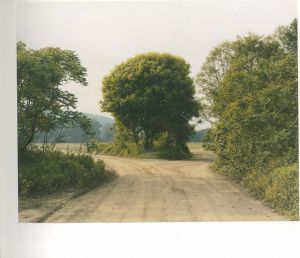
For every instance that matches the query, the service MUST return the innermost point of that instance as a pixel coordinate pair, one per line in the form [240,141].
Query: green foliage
[254,102]
[46,172]
[143,94]
[96,146]
[92,146]
[278,187]
[283,192]
[125,144]
[171,153]
[212,73]
[43,105]
[287,36]
[208,140]
[126,149]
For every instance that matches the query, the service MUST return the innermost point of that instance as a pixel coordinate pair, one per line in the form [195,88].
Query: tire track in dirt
[162,190]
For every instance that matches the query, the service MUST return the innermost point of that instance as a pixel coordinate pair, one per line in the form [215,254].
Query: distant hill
[101,119]
[198,135]
[107,129]
[102,125]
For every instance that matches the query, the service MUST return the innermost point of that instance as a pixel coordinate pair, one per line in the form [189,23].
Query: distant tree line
[75,134]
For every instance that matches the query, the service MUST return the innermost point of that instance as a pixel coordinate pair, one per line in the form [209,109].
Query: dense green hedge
[46,172]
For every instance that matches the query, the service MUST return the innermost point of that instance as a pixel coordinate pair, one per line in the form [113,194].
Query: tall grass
[278,187]
[130,149]
[46,172]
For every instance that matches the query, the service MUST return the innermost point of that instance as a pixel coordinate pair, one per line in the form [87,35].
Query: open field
[72,147]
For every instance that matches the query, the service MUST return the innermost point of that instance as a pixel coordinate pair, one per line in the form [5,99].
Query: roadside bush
[46,172]
[283,192]
[160,151]
[125,149]
[173,153]
[208,140]
[92,146]
[167,150]
[277,186]
[130,149]
[256,182]
[208,146]
[97,147]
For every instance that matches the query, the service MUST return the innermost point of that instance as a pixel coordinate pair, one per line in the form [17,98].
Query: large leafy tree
[150,94]
[255,102]
[212,73]
[43,103]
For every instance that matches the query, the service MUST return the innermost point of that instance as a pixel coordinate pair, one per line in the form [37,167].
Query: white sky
[106,33]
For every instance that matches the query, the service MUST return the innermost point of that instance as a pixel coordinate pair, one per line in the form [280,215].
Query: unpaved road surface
[162,190]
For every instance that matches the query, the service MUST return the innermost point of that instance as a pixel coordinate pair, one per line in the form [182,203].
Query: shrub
[160,151]
[126,149]
[277,186]
[173,154]
[283,191]
[46,172]
[92,146]
[256,182]
[97,147]
[208,139]
[209,146]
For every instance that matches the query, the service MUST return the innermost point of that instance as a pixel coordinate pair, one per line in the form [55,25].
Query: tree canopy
[43,104]
[151,94]
[254,100]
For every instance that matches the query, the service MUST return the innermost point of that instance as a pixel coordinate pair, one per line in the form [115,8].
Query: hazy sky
[106,33]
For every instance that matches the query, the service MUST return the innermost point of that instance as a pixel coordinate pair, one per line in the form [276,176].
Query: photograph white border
[142,240]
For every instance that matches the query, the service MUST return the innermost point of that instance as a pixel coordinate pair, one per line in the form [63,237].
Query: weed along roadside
[49,179]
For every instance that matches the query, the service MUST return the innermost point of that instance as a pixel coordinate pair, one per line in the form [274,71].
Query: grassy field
[71,147]
[194,145]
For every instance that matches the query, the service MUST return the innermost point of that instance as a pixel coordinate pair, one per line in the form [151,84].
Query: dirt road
[161,190]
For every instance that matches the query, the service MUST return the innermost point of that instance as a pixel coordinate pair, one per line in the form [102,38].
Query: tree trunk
[148,141]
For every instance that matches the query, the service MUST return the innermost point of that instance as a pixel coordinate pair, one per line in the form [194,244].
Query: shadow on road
[200,154]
